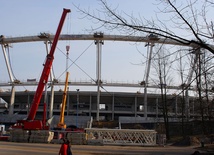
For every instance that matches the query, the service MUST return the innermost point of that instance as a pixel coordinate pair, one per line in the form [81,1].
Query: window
[102,106]
[16,106]
[141,108]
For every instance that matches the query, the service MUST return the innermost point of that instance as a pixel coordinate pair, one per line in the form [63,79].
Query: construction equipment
[30,123]
[61,123]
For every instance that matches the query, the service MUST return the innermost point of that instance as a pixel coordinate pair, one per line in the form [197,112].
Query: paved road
[12,148]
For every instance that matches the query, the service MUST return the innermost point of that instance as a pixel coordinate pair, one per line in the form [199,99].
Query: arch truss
[98,38]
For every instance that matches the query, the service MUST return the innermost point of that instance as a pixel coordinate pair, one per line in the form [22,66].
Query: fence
[122,136]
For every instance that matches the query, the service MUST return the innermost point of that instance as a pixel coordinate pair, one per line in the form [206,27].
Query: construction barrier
[98,136]
[41,136]
[77,138]
[31,136]
[19,135]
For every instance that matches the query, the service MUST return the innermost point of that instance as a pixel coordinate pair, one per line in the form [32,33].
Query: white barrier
[121,136]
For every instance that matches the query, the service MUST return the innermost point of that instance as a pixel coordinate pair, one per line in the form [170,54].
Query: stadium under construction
[120,106]
[47,114]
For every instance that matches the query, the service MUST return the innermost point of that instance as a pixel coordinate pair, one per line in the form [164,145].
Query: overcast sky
[120,60]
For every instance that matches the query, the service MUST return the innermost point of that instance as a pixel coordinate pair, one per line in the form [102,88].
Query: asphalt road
[13,148]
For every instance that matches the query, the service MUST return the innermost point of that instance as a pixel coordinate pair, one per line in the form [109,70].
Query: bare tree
[163,67]
[191,18]
[181,71]
[185,16]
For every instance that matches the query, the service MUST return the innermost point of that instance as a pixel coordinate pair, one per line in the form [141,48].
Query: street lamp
[77,107]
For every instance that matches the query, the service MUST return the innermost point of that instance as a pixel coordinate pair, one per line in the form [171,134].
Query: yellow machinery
[61,123]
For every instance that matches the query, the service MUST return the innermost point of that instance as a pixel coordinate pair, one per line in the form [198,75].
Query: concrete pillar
[193,64]
[135,106]
[48,43]
[99,42]
[156,108]
[12,80]
[12,100]
[90,105]
[51,101]
[150,45]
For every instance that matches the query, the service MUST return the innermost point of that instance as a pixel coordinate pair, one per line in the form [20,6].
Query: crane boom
[30,123]
[46,70]
[61,123]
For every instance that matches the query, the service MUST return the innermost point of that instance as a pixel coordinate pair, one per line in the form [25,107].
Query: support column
[90,105]
[12,80]
[12,101]
[112,108]
[135,106]
[193,107]
[77,110]
[147,77]
[156,109]
[51,101]
[193,64]
[99,42]
[51,84]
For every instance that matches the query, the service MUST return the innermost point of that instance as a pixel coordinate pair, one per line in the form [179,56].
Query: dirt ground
[11,148]
[202,145]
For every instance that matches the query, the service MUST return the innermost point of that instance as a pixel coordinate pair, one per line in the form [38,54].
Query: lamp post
[77,107]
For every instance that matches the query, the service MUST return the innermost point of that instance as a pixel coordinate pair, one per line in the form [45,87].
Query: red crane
[30,123]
